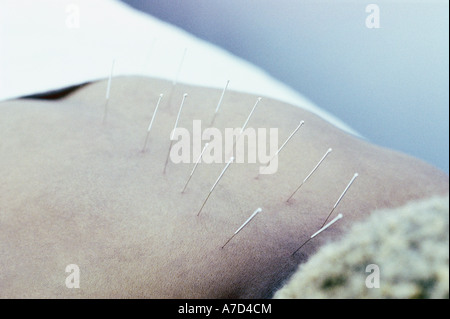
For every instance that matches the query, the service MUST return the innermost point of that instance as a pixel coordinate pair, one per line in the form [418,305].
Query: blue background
[390,84]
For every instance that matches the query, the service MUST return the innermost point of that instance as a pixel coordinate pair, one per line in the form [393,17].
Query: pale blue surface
[390,84]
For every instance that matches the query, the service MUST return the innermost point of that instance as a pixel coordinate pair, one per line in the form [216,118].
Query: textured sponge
[409,247]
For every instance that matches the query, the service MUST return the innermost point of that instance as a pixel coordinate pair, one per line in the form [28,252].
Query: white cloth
[52,44]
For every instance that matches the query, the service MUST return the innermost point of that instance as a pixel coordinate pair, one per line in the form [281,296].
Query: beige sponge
[397,253]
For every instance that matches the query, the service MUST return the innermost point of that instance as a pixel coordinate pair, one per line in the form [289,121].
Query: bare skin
[76,191]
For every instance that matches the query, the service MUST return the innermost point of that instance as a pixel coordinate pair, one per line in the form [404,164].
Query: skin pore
[78,191]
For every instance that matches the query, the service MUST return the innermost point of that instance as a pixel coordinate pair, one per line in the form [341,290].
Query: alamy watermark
[373,280]
[73,279]
[73,16]
[373,19]
[246,146]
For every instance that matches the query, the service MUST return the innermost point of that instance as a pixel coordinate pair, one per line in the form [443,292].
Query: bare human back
[78,191]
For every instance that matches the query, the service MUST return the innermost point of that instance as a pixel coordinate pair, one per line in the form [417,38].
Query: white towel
[51,44]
